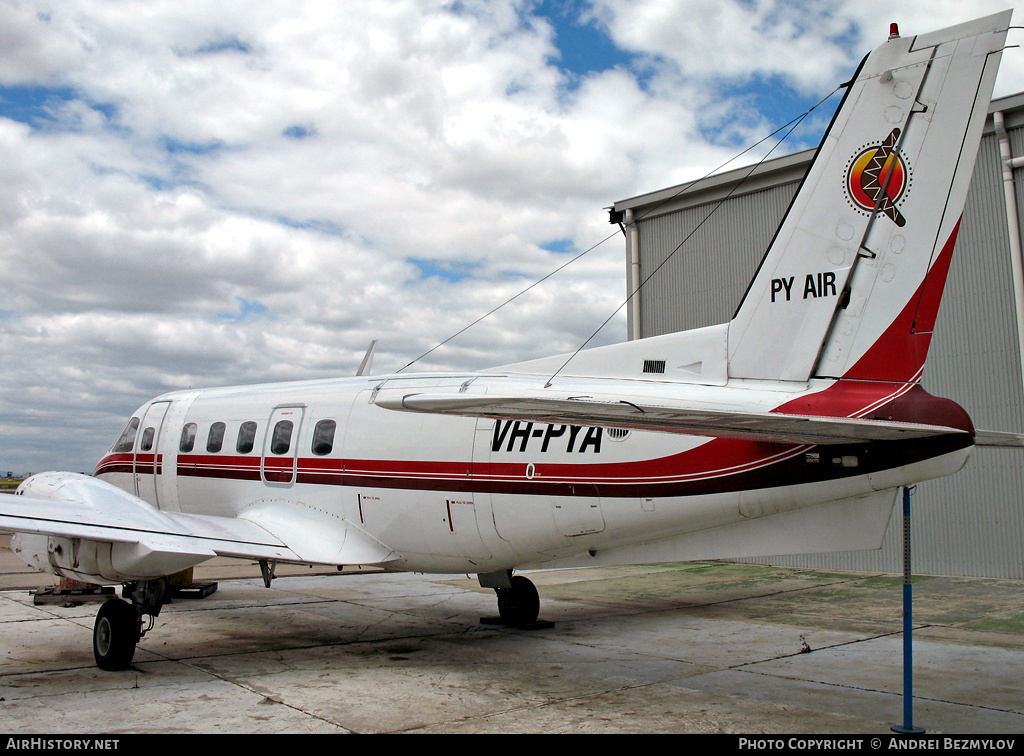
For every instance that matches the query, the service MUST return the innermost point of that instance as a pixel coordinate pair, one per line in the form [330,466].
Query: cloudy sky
[197,194]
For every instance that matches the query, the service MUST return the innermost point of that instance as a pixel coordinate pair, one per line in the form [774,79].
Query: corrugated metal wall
[970,524]
[715,249]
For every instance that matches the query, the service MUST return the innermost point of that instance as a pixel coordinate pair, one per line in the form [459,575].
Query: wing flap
[666,417]
[320,537]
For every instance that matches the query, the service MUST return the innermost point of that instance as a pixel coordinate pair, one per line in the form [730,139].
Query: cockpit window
[188,437]
[246,437]
[126,440]
[323,437]
[147,439]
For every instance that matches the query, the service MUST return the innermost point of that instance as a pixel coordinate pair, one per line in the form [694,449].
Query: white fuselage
[454,494]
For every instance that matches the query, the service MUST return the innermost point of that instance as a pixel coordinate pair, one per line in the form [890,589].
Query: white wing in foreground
[103,531]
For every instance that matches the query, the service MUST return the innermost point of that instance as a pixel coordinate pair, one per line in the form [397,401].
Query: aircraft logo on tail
[878,178]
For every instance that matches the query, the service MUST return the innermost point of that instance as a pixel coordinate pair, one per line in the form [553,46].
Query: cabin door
[148,457]
[281,445]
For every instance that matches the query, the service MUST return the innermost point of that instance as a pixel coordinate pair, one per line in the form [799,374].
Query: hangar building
[710,237]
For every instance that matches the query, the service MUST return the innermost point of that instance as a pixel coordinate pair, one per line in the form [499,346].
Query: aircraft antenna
[683,188]
[509,300]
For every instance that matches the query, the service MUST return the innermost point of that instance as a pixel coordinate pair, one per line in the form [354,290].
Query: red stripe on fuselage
[717,466]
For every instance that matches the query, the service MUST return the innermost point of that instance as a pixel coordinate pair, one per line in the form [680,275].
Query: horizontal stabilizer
[671,418]
[999,438]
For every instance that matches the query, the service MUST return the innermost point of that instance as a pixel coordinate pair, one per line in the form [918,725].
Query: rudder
[850,285]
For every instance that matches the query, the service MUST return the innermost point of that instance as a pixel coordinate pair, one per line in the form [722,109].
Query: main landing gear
[119,622]
[117,630]
[118,627]
[519,604]
[518,600]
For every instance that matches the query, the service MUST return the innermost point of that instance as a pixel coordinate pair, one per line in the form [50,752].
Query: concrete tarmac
[691,648]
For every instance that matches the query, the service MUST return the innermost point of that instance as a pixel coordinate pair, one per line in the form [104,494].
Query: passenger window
[323,437]
[126,440]
[246,437]
[188,437]
[282,438]
[147,439]
[215,440]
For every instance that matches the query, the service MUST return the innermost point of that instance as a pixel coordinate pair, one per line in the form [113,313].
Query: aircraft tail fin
[851,284]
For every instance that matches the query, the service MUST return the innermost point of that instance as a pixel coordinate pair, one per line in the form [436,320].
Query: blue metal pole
[908,627]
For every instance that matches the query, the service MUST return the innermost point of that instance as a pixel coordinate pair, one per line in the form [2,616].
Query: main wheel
[520,604]
[115,635]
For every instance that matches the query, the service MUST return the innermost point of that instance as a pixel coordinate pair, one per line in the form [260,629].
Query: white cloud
[808,45]
[728,41]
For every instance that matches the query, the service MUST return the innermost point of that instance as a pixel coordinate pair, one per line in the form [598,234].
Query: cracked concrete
[711,647]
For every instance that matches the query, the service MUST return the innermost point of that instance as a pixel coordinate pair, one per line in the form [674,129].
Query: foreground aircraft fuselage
[433,493]
[787,430]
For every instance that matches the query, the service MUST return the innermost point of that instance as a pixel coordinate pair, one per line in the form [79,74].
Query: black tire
[520,604]
[115,635]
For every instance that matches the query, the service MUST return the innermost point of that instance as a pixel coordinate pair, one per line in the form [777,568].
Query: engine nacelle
[76,558]
[134,540]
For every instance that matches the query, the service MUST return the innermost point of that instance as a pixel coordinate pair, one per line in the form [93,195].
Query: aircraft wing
[146,541]
[171,532]
[667,417]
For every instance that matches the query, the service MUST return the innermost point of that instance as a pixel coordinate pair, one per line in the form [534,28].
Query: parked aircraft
[788,429]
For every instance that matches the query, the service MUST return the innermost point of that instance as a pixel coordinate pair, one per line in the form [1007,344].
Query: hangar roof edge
[775,171]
